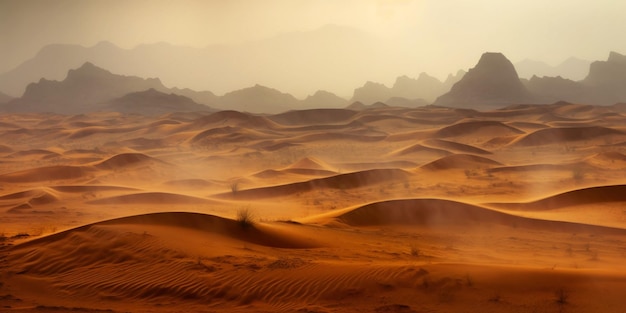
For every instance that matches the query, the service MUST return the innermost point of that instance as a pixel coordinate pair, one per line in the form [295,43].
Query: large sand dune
[380,210]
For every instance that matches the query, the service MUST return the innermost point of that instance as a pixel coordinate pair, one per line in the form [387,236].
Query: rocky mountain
[553,89]
[204,97]
[371,92]
[493,82]
[604,85]
[606,82]
[153,102]
[424,89]
[83,90]
[573,69]
[258,99]
[4,98]
[324,99]
[330,58]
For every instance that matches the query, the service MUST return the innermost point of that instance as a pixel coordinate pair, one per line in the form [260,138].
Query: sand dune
[41,153]
[422,150]
[229,118]
[455,146]
[341,181]
[438,213]
[563,135]
[368,211]
[477,128]
[310,163]
[189,183]
[48,173]
[125,160]
[314,117]
[460,161]
[609,159]
[151,198]
[5,149]
[600,194]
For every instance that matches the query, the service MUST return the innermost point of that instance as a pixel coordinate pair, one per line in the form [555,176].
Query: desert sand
[431,209]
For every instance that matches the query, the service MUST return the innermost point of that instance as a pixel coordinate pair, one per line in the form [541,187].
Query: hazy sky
[441,35]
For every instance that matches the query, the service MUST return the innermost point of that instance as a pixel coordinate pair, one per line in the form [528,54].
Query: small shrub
[415,251]
[245,217]
[561,296]
[234,187]
[469,281]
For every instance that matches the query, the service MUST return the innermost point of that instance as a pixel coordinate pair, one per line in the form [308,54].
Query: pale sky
[442,36]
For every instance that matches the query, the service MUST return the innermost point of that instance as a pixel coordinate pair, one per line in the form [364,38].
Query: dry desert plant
[561,296]
[245,218]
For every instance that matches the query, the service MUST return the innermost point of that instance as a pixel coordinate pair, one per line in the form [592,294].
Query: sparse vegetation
[469,281]
[245,217]
[415,251]
[561,296]
[234,187]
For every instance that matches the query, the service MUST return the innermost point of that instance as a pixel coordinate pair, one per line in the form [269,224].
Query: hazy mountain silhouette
[491,83]
[153,102]
[83,90]
[203,97]
[573,68]
[258,99]
[4,98]
[553,89]
[371,92]
[406,90]
[324,99]
[604,85]
[606,82]
[329,58]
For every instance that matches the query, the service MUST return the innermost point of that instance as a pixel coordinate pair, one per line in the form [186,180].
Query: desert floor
[431,209]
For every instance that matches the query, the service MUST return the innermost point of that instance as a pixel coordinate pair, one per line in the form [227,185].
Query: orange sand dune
[34,153]
[524,211]
[310,163]
[5,149]
[441,213]
[341,181]
[609,159]
[527,125]
[455,146]
[331,136]
[48,173]
[599,194]
[477,127]
[421,150]
[189,183]
[229,118]
[124,160]
[460,161]
[151,198]
[563,135]
[314,117]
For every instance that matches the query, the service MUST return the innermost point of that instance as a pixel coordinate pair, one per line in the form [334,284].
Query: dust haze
[312,156]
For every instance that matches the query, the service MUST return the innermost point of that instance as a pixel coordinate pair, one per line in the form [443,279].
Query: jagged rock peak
[615,57]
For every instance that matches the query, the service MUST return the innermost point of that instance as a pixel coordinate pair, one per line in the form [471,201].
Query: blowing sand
[384,210]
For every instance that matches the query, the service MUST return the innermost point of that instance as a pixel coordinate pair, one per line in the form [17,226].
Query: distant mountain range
[572,68]
[329,58]
[493,82]
[90,88]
